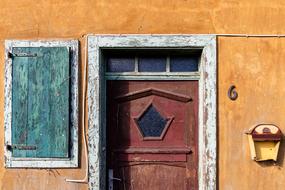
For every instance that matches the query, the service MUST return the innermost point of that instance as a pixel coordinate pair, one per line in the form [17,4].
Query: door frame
[207,76]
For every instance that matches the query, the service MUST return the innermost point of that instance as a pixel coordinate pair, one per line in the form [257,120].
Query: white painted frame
[207,99]
[72,161]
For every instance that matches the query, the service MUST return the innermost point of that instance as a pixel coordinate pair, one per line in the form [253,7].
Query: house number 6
[232,94]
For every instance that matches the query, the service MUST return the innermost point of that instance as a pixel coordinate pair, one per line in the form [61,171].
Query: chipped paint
[42,162]
[207,118]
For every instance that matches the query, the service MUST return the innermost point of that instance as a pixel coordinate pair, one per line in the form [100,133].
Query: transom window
[151,62]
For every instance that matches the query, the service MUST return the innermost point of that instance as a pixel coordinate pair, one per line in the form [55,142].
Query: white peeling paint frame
[207,99]
[72,161]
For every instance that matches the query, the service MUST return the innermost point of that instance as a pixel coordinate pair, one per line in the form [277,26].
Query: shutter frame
[29,162]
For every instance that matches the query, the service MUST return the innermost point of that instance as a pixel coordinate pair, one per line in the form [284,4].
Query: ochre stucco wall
[254,65]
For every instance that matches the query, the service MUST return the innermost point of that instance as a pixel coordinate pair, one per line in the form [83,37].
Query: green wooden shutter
[40,102]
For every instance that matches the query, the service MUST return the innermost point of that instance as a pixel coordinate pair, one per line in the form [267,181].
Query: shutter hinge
[11,55]
[21,147]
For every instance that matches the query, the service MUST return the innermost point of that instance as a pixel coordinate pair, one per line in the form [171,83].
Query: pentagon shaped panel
[152,124]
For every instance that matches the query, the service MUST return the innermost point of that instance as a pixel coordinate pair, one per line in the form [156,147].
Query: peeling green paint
[40,102]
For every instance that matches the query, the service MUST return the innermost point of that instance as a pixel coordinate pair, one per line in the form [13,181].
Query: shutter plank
[38,103]
[59,97]
[19,103]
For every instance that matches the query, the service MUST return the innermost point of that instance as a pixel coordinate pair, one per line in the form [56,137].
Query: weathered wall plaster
[254,65]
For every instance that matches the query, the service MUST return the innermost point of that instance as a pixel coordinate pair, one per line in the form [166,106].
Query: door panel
[152,134]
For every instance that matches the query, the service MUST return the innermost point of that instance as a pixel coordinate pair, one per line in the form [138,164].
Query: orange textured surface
[254,65]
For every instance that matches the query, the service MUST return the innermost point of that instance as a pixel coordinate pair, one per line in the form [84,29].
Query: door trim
[207,145]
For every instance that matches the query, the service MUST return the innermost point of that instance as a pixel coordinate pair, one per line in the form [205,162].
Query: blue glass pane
[121,65]
[151,123]
[152,64]
[183,64]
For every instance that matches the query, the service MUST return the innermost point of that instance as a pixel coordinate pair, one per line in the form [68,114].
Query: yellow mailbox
[264,141]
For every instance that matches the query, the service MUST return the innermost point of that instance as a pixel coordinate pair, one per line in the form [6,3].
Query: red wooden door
[152,135]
